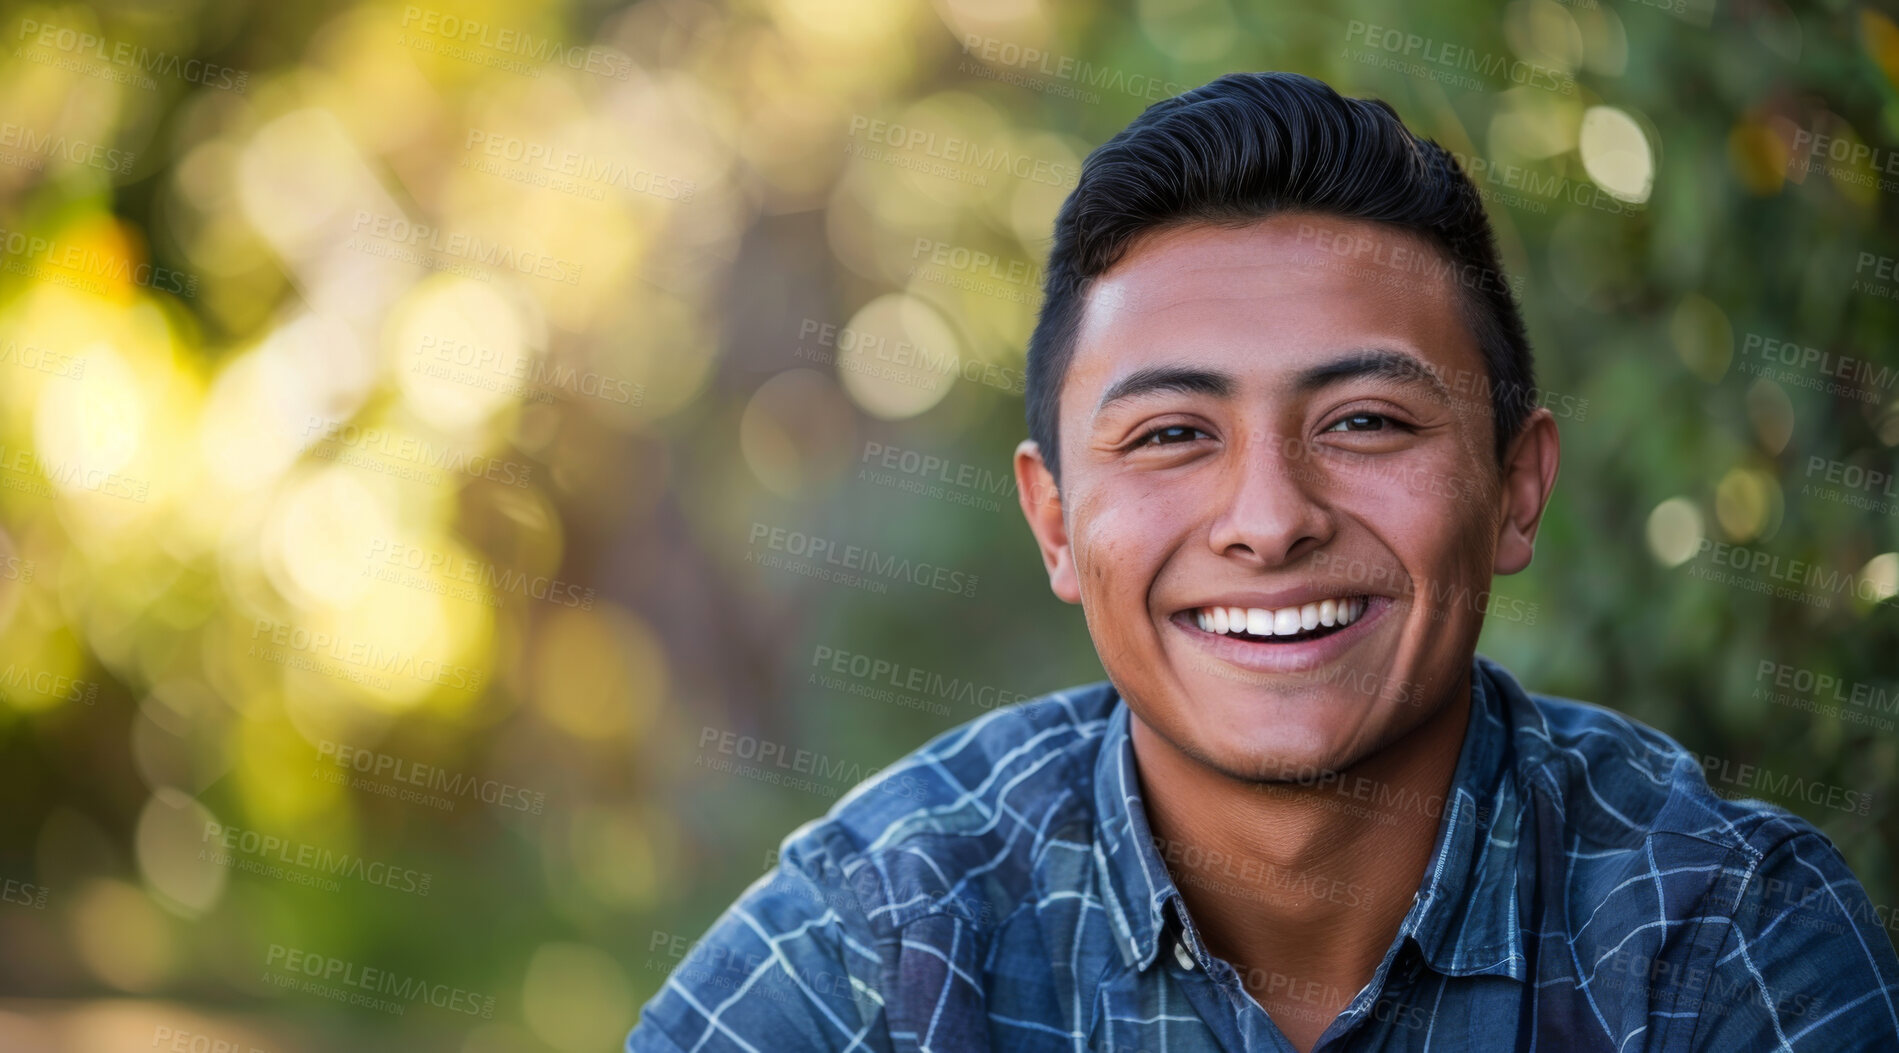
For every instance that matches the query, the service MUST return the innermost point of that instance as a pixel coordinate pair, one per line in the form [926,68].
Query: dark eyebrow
[1373,362]
[1190,379]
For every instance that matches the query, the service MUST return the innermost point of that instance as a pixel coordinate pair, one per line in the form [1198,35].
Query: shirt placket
[1214,990]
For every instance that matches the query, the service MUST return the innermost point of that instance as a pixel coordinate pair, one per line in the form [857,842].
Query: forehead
[1270,297]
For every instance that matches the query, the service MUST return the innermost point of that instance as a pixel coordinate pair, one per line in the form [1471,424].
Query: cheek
[1118,540]
[1449,544]
[1427,505]
[1439,528]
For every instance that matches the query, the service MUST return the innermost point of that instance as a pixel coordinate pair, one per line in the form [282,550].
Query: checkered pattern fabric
[999,889]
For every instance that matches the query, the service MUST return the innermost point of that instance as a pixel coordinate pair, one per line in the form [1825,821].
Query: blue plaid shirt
[999,889]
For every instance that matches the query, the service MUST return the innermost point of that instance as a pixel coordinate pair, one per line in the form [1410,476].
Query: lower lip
[1303,656]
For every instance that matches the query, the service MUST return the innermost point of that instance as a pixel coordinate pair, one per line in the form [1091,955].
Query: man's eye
[1171,434]
[1362,422]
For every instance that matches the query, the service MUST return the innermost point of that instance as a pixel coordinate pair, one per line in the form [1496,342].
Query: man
[1301,814]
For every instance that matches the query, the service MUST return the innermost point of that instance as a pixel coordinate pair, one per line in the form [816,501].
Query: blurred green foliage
[410,413]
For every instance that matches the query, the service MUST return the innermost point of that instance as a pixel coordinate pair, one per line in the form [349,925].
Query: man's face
[1280,505]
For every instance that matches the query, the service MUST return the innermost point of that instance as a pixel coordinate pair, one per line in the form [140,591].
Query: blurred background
[473,477]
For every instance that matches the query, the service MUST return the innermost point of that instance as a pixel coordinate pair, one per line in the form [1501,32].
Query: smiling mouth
[1285,625]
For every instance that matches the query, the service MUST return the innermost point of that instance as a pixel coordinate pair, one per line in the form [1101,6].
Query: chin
[1288,764]
[1280,740]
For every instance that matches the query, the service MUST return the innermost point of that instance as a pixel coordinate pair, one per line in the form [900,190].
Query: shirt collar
[1137,881]
[1464,919]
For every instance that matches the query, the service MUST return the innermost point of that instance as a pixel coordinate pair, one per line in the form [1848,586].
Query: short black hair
[1251,145]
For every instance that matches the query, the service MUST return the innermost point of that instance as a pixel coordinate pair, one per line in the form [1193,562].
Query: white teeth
[1284,621]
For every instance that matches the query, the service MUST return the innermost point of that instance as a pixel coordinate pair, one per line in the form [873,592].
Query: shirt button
[1181,956]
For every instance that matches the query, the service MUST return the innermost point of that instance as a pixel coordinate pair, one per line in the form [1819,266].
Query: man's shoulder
[1770,923]
[987,797]
[1624,783]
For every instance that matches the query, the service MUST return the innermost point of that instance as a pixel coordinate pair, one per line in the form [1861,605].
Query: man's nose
[1271,503]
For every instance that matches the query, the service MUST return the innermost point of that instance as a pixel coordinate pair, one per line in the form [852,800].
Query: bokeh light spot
[1616,153]
[174,855]
[576,998]
[897,357]
[1674,531]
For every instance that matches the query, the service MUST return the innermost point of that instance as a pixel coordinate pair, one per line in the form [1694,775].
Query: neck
[1302,887]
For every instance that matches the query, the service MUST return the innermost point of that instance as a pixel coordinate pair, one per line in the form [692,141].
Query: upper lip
[1294,596]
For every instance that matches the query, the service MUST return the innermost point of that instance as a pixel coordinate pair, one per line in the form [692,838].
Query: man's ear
[1529,477]
[1042,507]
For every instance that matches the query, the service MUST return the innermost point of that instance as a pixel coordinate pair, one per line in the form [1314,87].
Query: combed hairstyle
[1251,145]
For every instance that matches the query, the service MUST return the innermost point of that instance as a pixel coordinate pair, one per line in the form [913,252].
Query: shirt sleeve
[1806,964]
[788,966]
